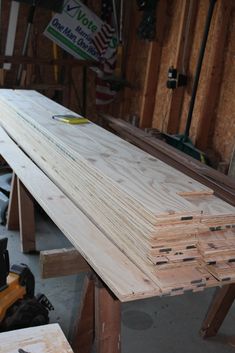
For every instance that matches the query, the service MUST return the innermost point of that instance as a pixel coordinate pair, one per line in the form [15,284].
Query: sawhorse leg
[21,215]
[99,319]
[219,307]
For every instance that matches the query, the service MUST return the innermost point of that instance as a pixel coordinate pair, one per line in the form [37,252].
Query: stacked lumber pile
[223,185]
[169,225]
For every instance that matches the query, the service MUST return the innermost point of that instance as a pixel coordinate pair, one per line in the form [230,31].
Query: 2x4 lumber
[62,262]
[107,320]
[13,222]
[152,69]
[223,186]
[117,271]
[26,218]
[185,40]
[84,330]
[215,64]
[220,305]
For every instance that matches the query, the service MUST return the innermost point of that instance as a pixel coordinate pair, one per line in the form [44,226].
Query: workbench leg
[107,320]
[26,218]
[13,208]
[219,307]
[83,336]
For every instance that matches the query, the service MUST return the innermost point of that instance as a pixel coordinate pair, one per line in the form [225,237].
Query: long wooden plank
[92,185]
[116,270]
[93,143]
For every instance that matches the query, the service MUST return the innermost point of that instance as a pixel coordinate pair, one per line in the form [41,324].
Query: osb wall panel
[163,94]
[169,51]
[222,137]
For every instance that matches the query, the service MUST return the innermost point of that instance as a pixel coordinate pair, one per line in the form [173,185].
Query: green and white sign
[74,30]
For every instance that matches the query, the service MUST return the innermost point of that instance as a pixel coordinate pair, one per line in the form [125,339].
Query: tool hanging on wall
[183,142]
[147,27]
[11,31]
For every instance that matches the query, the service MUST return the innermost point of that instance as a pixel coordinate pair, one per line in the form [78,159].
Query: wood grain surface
[139,204]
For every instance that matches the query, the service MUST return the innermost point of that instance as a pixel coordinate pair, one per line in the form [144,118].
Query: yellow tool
[70,119]
[19,308]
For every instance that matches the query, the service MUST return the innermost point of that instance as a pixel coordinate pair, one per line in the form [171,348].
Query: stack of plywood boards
[172,227]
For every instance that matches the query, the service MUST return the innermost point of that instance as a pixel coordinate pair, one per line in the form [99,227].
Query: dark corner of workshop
[117,176]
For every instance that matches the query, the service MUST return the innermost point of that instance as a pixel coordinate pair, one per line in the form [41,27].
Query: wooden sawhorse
[99,317]
[219,308]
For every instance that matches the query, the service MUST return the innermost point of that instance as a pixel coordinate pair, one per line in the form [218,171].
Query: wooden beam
[83,336]
[13,208]
[215,64]
[107,320]
[220,305]
[152,69]
[62,262]
[26,218]
[185,40]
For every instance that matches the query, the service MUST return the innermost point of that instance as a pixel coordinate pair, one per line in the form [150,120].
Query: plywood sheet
[47,338]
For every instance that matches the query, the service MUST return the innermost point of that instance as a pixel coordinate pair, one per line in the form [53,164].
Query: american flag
[102,38]
[104,93]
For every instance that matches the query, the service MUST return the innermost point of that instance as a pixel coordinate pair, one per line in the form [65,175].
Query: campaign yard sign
[75,29]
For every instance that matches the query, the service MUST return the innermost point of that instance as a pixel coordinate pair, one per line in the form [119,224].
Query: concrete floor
[158,325]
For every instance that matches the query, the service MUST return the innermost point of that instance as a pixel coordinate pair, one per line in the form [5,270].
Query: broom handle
[198,69]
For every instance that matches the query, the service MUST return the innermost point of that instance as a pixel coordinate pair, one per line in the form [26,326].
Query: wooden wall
[213,124]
